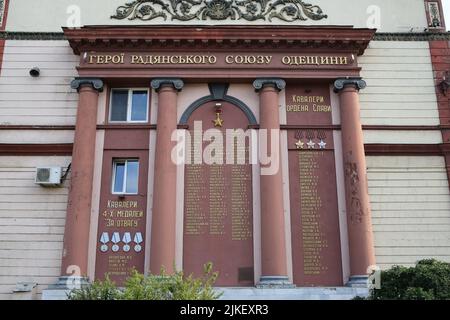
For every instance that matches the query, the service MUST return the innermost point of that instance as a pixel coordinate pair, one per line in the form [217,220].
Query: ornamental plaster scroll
[250,10]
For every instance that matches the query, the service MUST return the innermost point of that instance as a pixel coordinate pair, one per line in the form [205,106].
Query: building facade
[293,145]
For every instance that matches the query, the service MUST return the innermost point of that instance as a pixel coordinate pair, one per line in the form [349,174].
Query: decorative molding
[380,36]
[4,8]
[218,90]
[65,149]
[156,84]
[34,127]
[97,84]
[156,37]
[412,36]
[435,15]
[19,149]
[369,127]
[309,127]
[128,126]
[254,126]
[187,10]
[2,11]
[340,84]
[403,128]
[9,35]
[403,149]
[214,97]
[279,84]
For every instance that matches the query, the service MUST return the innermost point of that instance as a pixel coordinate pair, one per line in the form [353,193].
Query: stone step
[334,293]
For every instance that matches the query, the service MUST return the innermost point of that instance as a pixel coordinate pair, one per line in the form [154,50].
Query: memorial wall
[122,217]
[218,214]
[316,247]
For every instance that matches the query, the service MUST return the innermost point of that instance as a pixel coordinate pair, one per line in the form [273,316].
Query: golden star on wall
[300,144]
[218,122]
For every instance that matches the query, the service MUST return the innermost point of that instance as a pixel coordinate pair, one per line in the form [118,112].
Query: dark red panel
[308,104]
[218,215]
[124,216]
[316,248]
[121,215]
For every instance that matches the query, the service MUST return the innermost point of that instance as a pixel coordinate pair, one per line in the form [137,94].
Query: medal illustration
[138,240]
[310,136]
[218,122]
[104,239]
[115,239]
[126,239]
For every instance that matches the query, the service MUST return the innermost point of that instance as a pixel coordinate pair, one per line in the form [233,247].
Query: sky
[446,5]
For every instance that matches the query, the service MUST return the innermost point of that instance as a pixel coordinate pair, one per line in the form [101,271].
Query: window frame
[129,105]
[124,184]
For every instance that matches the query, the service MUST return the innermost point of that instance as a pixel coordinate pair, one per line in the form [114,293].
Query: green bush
[153,287]
[428,280]
[98,290]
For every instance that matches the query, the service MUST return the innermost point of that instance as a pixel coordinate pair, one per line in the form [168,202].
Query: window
[125,176]
[129,105]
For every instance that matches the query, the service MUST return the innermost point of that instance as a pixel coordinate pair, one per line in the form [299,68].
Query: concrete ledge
[358,281]
[335,293]
[253,293]
[275,282]
[55,294]
[61,289]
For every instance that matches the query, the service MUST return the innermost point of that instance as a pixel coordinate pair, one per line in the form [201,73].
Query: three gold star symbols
[218,122]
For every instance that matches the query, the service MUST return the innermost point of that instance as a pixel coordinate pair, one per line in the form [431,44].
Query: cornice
[379,36]
[211,37]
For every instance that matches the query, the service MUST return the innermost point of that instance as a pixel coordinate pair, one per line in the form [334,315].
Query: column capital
[177,83]
[278,83]
[340,84]
[96,83]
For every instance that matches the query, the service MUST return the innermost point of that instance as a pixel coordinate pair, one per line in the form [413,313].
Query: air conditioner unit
[48,176]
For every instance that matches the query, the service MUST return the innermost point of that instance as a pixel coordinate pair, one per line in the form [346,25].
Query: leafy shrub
[98,290]
[428,280]
[153,287]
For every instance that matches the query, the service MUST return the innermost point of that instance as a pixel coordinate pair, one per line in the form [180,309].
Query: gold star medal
[218,122]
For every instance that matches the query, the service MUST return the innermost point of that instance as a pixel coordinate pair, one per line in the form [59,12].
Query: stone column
[76,234]
[162,249]
[359,223]
[273,241]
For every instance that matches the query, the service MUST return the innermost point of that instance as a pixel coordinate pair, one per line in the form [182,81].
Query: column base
[276,282]
[358,282]
[62,288]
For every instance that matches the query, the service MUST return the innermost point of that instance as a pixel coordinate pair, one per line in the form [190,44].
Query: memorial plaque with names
[316,247]
[218,215]
[121,222]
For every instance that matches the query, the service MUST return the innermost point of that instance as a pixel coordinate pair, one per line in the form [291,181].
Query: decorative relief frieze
[187,10]
[2,11]
[434,15]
